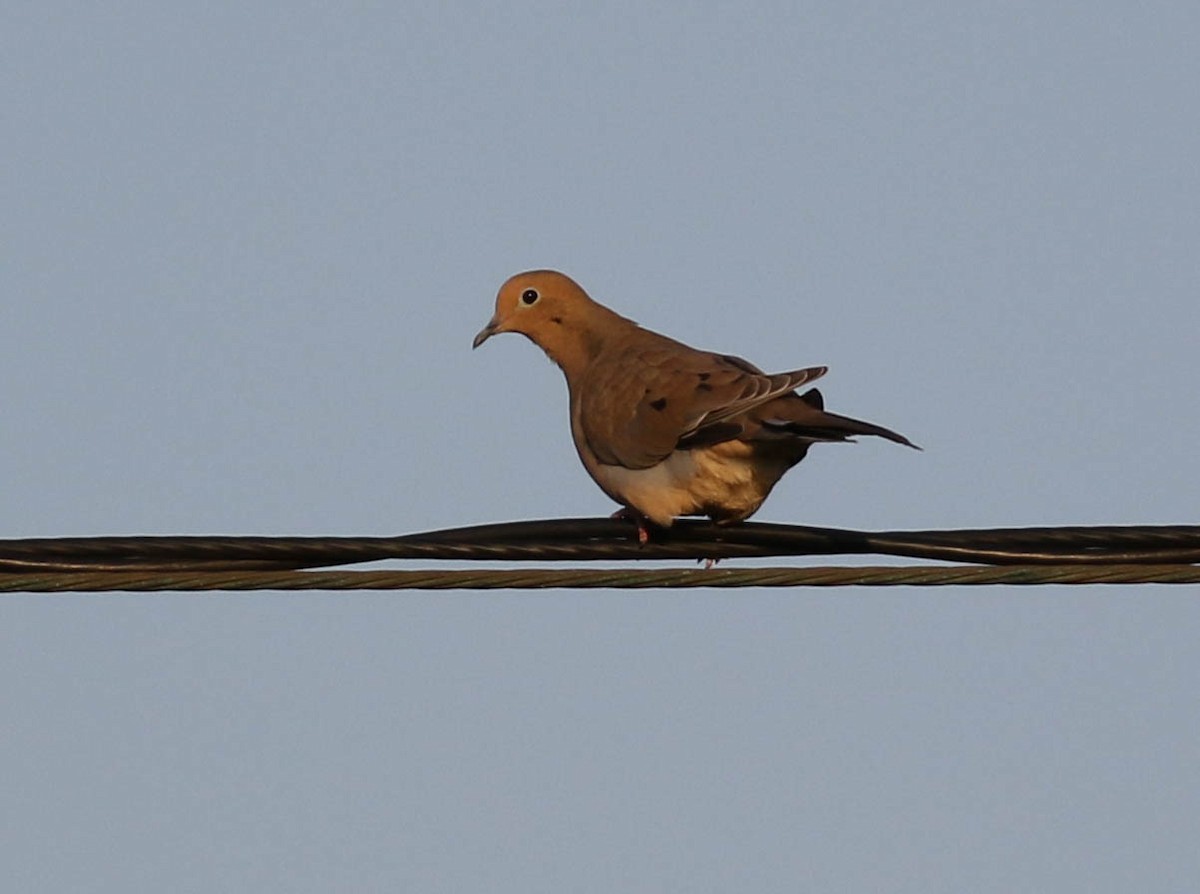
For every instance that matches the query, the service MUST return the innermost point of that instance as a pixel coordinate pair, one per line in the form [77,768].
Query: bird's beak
[485,333]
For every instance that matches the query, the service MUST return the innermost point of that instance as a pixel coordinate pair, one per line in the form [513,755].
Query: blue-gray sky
[243,251]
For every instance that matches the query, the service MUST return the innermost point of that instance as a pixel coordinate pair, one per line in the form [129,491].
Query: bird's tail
[803,416]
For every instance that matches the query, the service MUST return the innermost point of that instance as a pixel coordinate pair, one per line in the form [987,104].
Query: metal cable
[607,578]
[596,539]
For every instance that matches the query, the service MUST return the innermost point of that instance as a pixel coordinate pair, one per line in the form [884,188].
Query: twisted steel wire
[607,578]
[595,539]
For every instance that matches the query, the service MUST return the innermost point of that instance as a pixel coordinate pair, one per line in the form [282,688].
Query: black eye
[529,296]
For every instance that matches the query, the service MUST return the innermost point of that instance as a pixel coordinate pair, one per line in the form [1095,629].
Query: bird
[667,430]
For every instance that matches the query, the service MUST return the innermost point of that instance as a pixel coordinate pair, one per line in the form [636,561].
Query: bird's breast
[726,482]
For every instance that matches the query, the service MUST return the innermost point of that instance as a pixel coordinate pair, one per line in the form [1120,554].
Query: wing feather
[656,395]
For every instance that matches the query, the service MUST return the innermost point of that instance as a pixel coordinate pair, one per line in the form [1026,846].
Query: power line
[608,578]
[1014,556]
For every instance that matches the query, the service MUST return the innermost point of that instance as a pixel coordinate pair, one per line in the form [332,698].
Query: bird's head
[553,312]
[540,304]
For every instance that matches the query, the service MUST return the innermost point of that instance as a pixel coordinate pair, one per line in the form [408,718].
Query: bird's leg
[627,514]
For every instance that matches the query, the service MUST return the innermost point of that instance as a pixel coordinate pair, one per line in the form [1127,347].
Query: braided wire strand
[598,539]
[607,578]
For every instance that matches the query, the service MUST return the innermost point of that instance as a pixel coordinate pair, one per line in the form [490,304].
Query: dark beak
[485,333]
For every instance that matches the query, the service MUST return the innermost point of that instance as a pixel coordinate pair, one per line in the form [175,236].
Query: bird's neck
[574,347]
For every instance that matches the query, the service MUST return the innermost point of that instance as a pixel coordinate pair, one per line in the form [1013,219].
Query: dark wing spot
[659,404]
[704,377]
[704,386]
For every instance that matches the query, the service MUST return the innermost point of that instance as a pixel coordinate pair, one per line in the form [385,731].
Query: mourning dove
[664,429]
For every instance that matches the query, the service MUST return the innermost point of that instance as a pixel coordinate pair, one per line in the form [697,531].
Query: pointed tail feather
[806,418]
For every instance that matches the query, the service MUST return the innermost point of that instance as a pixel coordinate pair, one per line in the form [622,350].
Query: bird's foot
[627,514]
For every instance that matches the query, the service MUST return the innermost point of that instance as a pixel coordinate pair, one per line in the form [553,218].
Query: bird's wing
[643,400]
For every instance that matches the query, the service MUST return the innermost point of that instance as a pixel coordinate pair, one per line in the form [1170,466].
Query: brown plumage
[664,429]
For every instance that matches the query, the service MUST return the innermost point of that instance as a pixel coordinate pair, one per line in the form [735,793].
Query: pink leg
[627,514]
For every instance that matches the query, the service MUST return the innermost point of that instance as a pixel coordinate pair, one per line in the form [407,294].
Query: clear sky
[243,251]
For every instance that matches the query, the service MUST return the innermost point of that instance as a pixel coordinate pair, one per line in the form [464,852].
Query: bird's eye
[529,296]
